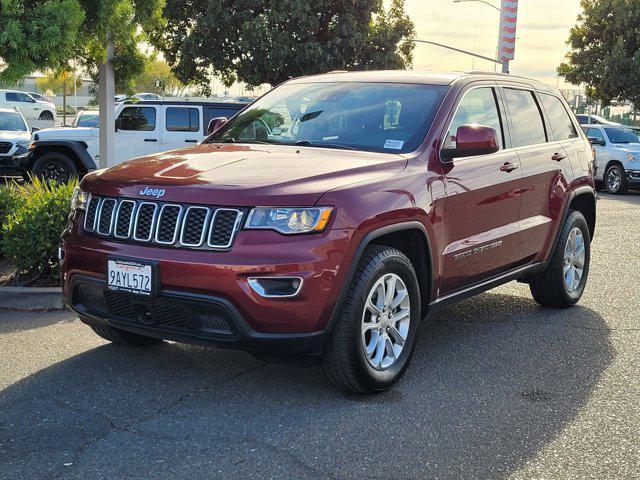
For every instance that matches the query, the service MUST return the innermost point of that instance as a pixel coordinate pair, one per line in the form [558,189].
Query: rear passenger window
[478,106]
[528,126]
[595,133]
[137,118]
[182,119]
[560,120]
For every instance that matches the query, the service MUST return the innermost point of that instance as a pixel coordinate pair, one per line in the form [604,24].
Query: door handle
[191,141]
[150,139]
[508,167]
[558,157]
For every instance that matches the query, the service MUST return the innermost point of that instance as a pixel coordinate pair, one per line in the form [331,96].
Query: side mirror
[216,123]
[472,140]
[34,129]
[595,141]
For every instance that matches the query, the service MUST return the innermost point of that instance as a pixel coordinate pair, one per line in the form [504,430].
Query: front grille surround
[163,223]
[5,147]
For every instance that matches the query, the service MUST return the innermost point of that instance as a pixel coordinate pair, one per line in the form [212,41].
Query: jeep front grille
[169,224]
[5,147]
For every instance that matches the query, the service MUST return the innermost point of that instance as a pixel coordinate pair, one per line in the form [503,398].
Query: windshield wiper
[309,143]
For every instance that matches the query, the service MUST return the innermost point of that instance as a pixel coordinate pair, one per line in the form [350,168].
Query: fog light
[276,287]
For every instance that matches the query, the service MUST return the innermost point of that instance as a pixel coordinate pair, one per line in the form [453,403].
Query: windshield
[88,120]
[378,117]
[12,121]
[621,135]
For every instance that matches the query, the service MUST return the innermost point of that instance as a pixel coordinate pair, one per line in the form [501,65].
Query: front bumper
[198,281]
[186,318]
[633,177]
[14,164]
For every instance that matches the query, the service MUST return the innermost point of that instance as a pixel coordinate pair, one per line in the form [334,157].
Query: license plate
[130,276]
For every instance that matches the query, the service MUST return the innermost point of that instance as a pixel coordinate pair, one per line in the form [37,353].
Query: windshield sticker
[394,144]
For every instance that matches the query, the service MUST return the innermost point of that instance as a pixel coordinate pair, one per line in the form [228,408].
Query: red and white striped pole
[507,39]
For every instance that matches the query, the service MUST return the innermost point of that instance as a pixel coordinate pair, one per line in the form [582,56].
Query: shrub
[31,233]
[8,204]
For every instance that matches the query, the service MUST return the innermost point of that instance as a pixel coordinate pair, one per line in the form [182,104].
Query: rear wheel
[563,281]
[615,180]
[122,337]
[374,337]
[55,166]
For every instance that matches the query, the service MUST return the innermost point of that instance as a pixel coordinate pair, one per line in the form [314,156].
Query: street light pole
[504,63]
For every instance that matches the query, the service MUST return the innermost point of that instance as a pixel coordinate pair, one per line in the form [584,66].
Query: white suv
[30,108]
[617,156]
[14,139]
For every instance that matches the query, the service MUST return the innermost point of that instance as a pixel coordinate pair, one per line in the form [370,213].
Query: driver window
[478,106]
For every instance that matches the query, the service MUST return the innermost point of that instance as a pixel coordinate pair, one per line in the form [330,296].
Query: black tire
[623,184]
[46,115]
[343,361]
[122,337]
[55,166]
[549,288]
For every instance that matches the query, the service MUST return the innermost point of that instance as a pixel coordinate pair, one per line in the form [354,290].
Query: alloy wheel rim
[55,171]
[614,180]
[574,258]
[385,321]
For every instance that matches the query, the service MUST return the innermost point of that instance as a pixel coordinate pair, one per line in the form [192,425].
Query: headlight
[79,199]
[23,143]
[289,220]
[633,158]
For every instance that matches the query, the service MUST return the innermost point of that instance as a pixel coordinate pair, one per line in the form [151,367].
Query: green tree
[59,82]
[269,41]
[605,50]
[47,34]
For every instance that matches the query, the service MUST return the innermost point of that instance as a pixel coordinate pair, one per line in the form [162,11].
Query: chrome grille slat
[105,217]
[160,223]
[168,222]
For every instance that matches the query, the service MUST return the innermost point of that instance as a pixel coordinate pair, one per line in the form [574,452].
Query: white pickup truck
[142,128]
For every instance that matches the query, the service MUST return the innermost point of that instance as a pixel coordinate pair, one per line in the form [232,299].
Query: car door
[17,100]
[137,132]
[546,169]
[482,205]
[182,127]
[602,152]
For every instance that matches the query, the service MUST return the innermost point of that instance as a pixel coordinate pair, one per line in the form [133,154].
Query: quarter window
[137,118]
[561,123]
[479,107]
[181,119]
[528,126]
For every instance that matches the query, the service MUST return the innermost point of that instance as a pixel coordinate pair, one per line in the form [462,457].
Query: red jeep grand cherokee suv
[329,218]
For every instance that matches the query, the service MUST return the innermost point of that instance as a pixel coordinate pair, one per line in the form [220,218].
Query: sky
[542,32]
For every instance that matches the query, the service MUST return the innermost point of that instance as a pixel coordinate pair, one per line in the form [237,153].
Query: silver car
[617,157]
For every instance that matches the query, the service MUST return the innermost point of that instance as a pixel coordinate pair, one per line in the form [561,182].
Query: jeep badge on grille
[152,192]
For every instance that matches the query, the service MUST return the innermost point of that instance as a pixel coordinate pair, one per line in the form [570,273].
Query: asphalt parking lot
[498,388]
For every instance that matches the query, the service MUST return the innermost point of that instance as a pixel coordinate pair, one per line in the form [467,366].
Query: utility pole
[106,94]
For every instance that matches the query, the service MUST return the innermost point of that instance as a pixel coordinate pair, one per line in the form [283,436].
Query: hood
[244,175]
[627,147]
[13,136]
[66,133]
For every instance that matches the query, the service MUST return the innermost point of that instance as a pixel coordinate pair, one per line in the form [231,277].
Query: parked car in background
[30,108]
[14,140]
[330,236]
[617,157]
[40,97]
[148,96]
[143,128]
[87,118]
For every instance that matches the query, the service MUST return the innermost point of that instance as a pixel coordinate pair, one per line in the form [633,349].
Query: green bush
[31,233]
[8,204]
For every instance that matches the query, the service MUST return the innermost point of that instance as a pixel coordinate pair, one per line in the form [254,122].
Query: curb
[31,298]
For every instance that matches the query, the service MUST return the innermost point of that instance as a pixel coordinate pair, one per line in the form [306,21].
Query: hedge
[31,230]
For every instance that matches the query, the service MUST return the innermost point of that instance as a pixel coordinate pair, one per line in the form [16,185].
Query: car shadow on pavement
[494,379]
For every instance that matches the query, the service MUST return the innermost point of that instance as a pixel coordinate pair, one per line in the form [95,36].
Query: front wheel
[46,115]
[615,180]
[562,283]
[374,337]
[54,166]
